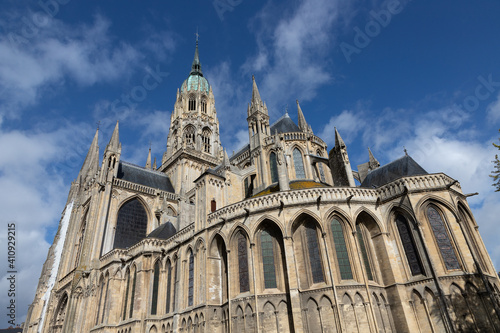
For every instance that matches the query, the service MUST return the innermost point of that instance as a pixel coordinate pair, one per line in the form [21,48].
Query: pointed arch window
[191,279]
[321,171]
[81,235]
[364,254]
[206,140]
[106,297]
[204,106]
[341,250]
[298,164]
[190,135]
[169,285]
[274,167]
[132,294]
[243,263]
[267,247]
[99,305]
[131,224]
[125,303]
[408,243]
[442,239]
[156,280]
[313,250]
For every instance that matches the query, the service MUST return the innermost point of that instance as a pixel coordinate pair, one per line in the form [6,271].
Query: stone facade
[277,238]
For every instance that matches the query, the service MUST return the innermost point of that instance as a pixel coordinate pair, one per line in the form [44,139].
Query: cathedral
[283,236]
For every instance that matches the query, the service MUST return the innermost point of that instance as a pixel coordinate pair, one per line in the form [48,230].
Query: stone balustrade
[143,189]
[311,196]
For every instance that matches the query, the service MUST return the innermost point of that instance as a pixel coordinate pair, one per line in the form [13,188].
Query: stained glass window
[132,296]
[364,254]
[126,297]
[409,246]
[314,255]
[131,224]
[169,285]
[299,164]
[191,279]
[243,263]
[442,239]
[274,167]
[341,251]
[156,278]
[266,243]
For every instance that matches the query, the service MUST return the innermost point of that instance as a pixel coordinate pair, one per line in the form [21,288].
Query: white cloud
[34,167]
[291,61]
[60,53]
[348,124]
[493,110]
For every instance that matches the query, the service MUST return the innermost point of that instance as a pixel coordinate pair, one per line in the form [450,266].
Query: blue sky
[388,74]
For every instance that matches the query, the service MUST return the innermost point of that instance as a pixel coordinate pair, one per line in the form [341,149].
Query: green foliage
[495,174]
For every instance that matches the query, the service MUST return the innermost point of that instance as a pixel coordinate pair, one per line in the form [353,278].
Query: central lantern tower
[193,143]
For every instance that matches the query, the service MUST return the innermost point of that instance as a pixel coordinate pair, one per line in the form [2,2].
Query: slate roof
[164,231]
[402,167]
[239,152]
[284,125]
[139,175]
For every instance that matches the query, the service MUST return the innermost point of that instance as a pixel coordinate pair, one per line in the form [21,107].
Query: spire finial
[197,35]
[196,66]
[406,151]
[98,124]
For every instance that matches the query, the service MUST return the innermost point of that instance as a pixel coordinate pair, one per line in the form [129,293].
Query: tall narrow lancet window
[191,279]
[364,253]
[267,247]
[79,245]
[442,239]
[274,167]
[169,286]
[313,250]
[409,246]
[125,302]
[341,250]
[243,263]
[99,305]
[106,296]
[320,168]
[204,106]
[156,280]
[132,294]
[192,104]
[299,164]
[206,140]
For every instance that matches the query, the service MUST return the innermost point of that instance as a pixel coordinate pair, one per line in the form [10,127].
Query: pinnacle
[302,120]
[338,140]
[255,93]
[114,142]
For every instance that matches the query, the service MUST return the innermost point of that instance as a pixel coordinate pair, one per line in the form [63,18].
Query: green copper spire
[196,66]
